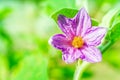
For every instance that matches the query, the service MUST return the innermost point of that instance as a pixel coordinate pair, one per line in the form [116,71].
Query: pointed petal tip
[59,41]
[97,60]
[67,58]
[60,16]
[83,22]
[60,19]
[68,61]
[104,29]
[93,62]
[92,54]
[83,9]
[50,41]
[95,35]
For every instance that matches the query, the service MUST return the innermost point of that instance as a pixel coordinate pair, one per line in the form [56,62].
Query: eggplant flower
[79,38]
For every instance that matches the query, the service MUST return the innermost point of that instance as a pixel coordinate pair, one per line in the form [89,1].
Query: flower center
[77,42]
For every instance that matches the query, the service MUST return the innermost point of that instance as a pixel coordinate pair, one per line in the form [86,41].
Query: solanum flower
[80,39]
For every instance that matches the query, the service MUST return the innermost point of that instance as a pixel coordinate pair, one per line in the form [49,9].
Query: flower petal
[94,36]
[83,22]
[71,54]
[59,41]
[66,25]
[91,54]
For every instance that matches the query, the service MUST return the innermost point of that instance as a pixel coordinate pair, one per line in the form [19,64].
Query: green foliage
[3,69]
[66,12]
[114,27]
[33,67]
[108,18]
[94,22]
[4,13]
[70,13]
[54,5]
[112,55]
[115,32]
[22,38]
[87,74]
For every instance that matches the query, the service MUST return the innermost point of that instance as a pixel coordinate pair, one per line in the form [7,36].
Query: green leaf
[115,19]
[109,18]
[33,67]
[114,28]
[94,22]
[115,32]
[70,13]
[66,12]
[54,5]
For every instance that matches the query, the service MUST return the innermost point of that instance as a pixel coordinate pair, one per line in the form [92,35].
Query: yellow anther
[77,42]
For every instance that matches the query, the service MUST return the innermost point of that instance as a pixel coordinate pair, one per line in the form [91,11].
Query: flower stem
[79,70]
[103,48]
[83,65]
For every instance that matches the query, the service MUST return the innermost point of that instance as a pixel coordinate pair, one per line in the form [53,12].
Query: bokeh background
[25,28]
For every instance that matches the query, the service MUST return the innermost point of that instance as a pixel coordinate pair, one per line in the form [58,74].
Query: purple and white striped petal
[83,22]
[66,26]
[94,36]
[71,54]
[59,41]
[91,54]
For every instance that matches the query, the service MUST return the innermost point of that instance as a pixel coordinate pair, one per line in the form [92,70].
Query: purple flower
[80,39]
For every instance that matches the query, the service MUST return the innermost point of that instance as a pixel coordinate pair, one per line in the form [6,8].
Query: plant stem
[81,67]
[79,70]
[103,48]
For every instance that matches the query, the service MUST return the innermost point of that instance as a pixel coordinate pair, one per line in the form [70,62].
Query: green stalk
[80,69]
[83,65]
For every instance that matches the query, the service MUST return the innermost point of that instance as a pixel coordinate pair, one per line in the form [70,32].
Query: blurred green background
[25,28]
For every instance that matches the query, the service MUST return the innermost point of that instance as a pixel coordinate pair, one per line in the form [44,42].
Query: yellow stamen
[77,42]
